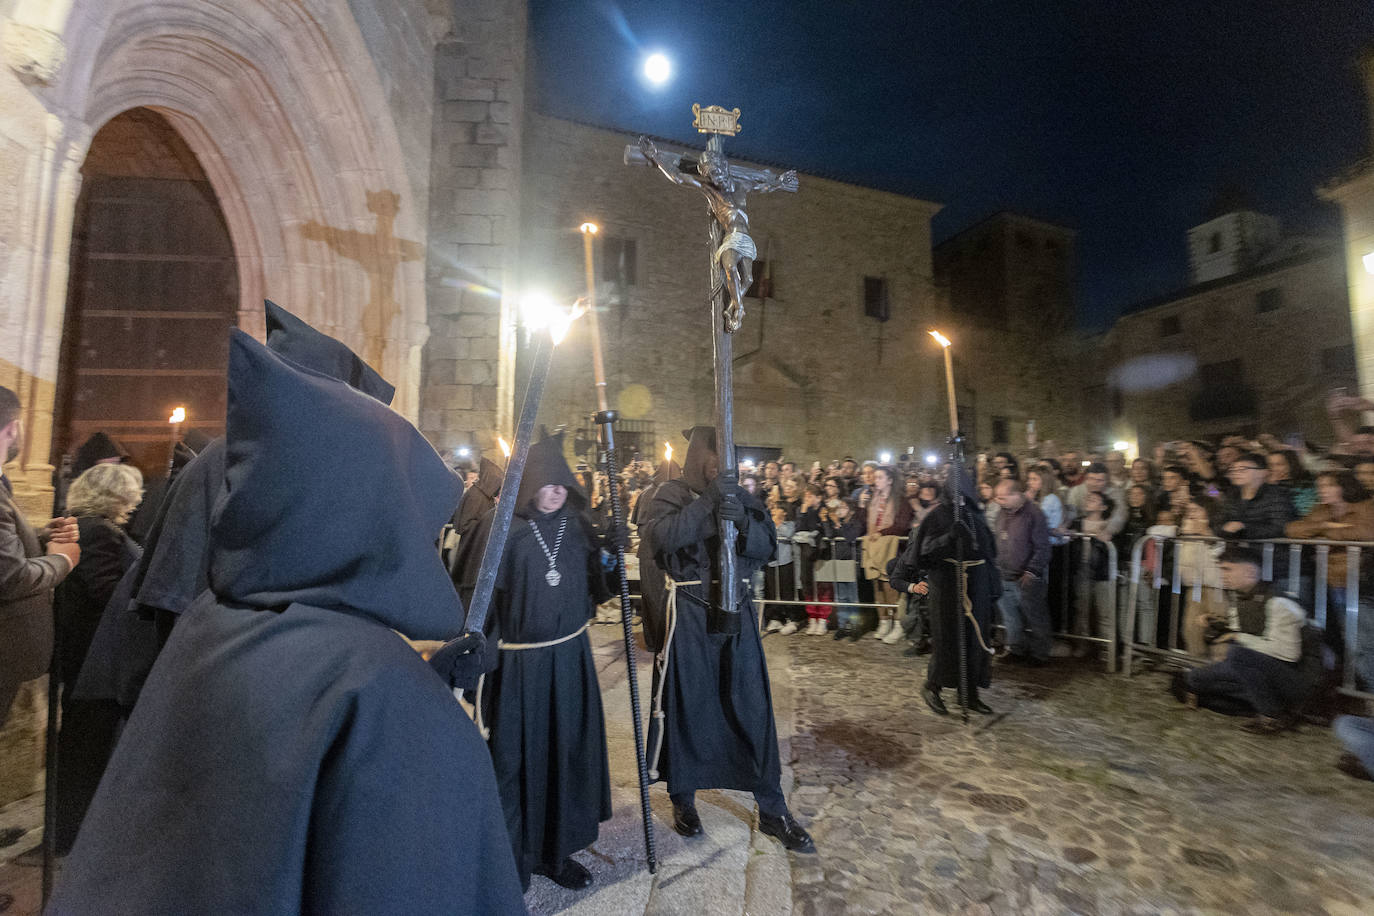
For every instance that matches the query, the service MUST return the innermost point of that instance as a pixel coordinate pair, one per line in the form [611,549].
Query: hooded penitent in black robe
[472,525]
[174,568]
[718,730]
[543,705]
[927,557]
[653,587]
[290,752]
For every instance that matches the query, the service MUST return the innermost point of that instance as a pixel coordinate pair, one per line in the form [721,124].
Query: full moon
[657,68]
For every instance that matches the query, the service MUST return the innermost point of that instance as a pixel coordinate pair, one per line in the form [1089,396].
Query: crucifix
[726,187]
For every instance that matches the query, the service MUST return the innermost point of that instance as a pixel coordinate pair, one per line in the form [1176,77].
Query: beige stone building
[1354,193]
[1008,283]
[1255,350]
[833,355]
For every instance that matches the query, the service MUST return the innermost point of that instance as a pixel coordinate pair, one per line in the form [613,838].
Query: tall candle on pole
[605,418]
[177,418]
[943,341]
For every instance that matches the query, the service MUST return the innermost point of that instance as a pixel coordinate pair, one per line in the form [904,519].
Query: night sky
[1121,119]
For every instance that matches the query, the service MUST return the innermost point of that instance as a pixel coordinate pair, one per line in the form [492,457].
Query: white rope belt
[963,567]
[661,666]
[516,647]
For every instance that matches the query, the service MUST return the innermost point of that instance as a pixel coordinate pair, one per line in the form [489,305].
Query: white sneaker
[788,630]
[774,626]
[817,626]
[895,636]
[883,629]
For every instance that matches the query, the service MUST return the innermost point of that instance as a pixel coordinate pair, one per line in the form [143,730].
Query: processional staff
[726,187]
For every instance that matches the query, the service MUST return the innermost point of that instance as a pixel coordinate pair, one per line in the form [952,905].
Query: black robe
[472,524]
[543,706]
[718,730]
[290,752]
[926,557]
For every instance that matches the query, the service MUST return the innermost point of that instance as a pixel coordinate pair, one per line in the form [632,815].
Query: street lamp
[944,343]
[885,458]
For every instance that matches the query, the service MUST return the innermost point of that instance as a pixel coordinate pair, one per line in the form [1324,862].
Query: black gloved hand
[732,510]
[461,661]
[725,485]
[617,537]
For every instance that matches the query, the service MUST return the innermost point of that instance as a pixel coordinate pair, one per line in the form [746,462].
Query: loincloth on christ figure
[740,243]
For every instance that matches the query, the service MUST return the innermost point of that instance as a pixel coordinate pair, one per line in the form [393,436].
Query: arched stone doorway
[153,289]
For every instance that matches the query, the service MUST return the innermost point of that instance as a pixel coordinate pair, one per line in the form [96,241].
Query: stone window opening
[1269,300]
[1001,428]
[1170,325]
[875,298]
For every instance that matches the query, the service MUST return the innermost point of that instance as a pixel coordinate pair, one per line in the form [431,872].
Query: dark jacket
[106,554]
[1264,517]
[27,579]
[1023,541]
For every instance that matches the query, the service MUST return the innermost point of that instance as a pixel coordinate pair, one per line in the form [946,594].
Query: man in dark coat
[712,725]
[290,752]
[543,702]
[174,568]
[929,566]
[472,524]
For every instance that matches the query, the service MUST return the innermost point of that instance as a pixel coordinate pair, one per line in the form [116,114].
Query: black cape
[653,587]
[174,568]
[290,752]
[543,706]
[926,557]
[719,730]
[472,524]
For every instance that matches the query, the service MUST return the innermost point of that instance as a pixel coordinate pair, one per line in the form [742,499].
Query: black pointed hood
[666,471]
[305,346]
[94,450]
[330,500]
[701,448]
[546,465]
[960,479]
[490,475]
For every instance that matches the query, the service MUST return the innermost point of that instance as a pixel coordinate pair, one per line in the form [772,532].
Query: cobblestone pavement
[1085,793]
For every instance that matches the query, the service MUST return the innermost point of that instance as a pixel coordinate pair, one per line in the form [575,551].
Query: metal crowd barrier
[1294,587]
[1079,584]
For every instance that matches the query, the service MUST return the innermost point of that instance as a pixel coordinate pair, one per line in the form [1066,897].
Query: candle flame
[178,415]
[940,339]
[560,323]
[505,446]
[667,451]
[590,228]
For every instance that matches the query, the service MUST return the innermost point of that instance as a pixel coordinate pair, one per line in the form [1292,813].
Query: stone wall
[1156,374]
[1009,281]
[814,376]
[474,231]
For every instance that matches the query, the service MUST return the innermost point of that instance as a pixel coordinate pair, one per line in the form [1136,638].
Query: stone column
[474,225]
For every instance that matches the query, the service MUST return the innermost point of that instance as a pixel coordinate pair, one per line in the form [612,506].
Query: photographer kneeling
[1263,673]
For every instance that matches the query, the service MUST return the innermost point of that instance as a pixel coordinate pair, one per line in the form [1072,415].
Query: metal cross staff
[605,418]
[726,187]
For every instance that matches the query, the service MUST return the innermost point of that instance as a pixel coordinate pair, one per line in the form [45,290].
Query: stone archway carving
[280,101]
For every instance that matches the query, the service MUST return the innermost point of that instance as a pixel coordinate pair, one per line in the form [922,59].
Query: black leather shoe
[686,821]
[786,829]
[977,705]
[841,632]
[932,698]
[569,873]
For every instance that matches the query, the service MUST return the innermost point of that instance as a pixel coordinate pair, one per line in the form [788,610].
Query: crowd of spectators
[1069,524]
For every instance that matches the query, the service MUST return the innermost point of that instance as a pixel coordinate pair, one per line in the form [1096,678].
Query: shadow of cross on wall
[379,254]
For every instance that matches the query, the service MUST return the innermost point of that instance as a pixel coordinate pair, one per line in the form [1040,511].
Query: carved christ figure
[726,190]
